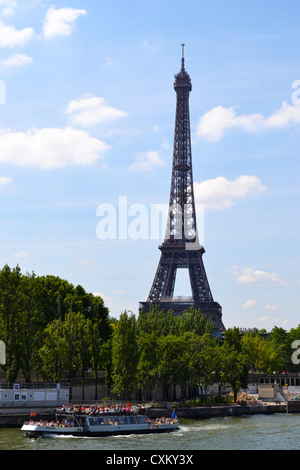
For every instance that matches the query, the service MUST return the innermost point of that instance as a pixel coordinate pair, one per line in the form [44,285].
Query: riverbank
[205,412]
[14,418]
[10,417]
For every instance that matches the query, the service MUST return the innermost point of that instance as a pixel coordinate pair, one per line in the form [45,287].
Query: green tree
[82,344]
[235,367]
[95,348]
[31,324]
[70,336]
[256,349]
[106,361]
[148,358]
[192,320]
[124,355]
[10,333]
[53,361]
[281,347]
[201,362]
[169,362]
[235,362]
[218,359]
[53,293]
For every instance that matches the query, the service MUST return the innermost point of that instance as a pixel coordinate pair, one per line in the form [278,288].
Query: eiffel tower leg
[164,281]
[199,283]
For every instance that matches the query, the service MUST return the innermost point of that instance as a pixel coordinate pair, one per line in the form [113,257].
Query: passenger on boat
[94,410]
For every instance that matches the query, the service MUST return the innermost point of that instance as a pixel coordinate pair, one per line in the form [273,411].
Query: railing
[31,386]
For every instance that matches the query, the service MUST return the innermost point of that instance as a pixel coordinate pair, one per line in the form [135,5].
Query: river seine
[258,432]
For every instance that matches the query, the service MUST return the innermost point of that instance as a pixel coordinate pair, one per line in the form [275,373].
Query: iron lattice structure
[181,248]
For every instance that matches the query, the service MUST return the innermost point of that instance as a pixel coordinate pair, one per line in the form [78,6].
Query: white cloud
[8,7]
[270,307]
[16,60]
[50,148]
[107,300]
[274,321]
[220,193]
[213,124]
[92,110]
[61,22]
[83,262]
[149,46]
[147,161]
[286,115]
[5,180]
[250,276]
[250,304]
[11,37]
[21,255]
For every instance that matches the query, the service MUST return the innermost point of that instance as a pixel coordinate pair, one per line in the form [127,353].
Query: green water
[258,432]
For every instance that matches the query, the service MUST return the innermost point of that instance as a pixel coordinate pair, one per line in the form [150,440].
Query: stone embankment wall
[205,412]
[15,418]
[293,406]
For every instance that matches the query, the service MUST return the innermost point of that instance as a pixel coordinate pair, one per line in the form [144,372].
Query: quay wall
[293,406]
[205,412]
[15,417]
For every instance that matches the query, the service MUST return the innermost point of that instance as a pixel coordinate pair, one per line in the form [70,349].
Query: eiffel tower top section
[181,224]
[182,79]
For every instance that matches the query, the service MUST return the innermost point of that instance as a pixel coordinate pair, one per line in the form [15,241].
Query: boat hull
[38,431]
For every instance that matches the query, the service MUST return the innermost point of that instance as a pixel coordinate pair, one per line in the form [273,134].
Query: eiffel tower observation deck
[181,248]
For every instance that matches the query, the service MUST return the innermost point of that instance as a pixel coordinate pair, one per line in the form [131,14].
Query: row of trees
[54,329]
[170,350]
[49,326]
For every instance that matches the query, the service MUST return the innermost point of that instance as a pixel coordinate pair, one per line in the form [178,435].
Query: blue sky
[87,119]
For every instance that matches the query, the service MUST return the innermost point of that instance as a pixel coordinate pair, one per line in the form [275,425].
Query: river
[257,432]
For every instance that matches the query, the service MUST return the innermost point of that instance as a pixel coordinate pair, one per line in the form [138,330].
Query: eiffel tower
[181,248]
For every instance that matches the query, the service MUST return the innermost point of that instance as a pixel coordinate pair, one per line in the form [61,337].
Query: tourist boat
[78,424]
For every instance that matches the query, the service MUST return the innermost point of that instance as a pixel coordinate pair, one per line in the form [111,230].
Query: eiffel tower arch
[181,249]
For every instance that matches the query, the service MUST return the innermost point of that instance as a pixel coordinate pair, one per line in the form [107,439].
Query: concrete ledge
[205,412]
[293,406]
[14,418]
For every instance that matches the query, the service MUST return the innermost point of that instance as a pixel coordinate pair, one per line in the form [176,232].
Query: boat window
[100,421]
[141,419]
[132,419]
[93,421]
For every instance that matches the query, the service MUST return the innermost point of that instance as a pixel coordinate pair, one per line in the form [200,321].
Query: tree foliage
[48,326]
[54,329]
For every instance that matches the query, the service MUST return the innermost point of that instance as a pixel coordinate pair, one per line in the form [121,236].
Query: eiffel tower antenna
[180,249]
[182,58]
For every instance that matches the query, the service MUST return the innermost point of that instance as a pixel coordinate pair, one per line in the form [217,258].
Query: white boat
[96,426]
